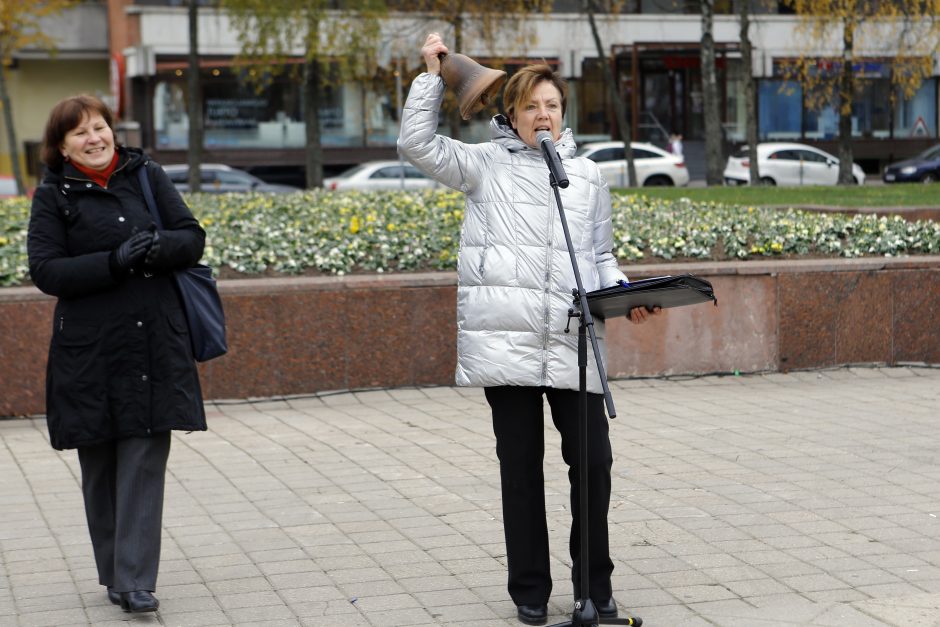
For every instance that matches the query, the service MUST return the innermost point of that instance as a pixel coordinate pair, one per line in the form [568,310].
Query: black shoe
[139,601]
[532,614]
[114,597]
[606,609]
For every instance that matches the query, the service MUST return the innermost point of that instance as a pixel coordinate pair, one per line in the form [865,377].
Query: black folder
[662,291]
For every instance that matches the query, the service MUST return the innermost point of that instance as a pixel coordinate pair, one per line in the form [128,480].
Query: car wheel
[658,180]
[930,177]
[766,180]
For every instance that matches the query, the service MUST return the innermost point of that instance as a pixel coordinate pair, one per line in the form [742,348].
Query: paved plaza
[808,498]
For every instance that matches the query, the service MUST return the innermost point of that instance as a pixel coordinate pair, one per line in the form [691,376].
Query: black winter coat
[120,362]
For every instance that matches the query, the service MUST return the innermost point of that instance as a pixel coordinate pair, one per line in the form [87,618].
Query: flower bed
[342,233]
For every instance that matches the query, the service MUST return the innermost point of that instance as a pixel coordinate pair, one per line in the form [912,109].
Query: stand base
[585,614]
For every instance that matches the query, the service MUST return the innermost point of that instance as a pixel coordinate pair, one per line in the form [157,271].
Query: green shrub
[340,233]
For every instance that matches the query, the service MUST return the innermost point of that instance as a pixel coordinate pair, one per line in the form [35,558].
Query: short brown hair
[63,118]
[520,86]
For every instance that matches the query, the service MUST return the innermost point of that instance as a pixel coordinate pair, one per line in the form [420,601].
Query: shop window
[235,115]
[780,104]
[917,116]
[592,121]
[871,113]
[735,118]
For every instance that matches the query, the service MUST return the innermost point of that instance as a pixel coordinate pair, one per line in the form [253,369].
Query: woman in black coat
[120,374]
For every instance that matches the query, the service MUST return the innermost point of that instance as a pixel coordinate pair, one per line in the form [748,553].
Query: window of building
[591,121]
[871,112]
[780,104]
[735,118]
[917,116]
[236,115]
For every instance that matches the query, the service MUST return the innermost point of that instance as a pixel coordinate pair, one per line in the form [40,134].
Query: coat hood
[502,133]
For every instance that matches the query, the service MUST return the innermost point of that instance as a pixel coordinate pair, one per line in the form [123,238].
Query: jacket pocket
[177,322]
[75,333]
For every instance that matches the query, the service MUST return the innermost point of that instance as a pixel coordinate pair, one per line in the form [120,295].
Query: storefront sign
[235,113]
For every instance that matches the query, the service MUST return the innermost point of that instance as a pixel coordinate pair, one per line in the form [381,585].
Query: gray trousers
[122,482]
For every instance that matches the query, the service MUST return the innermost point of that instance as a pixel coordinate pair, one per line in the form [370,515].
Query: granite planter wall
[303,335]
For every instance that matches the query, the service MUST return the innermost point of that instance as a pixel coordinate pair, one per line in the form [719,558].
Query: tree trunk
[194,106]
[619,108]
[713,140]
[750,91]
[11,132]
[846,89]
[313,155]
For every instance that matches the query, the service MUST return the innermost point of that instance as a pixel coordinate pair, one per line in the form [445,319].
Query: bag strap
[144,178]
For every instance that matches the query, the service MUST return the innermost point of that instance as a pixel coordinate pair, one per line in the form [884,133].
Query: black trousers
[122,482]
[518,423]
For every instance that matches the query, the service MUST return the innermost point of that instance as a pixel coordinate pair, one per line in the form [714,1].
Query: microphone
[552,160]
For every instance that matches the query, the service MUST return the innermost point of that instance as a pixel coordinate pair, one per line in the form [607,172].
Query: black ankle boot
[139,601]
[532,614]
[606,608]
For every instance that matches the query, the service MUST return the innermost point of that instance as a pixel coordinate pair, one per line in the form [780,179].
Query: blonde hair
[520,86]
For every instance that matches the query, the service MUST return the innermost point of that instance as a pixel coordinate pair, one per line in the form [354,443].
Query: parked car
[219,179]
[378,175]
[8,188]
[783,163]
[654,166]
[924,168]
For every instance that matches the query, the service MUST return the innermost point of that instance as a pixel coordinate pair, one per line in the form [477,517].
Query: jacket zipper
[119,167]
[546,293]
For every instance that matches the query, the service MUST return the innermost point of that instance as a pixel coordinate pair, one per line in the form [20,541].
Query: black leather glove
[129,253]
[154,249]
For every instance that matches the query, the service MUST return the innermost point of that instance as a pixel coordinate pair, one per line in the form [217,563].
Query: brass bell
[474,85]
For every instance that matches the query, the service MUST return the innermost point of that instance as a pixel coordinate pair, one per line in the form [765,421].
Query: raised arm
[446,160]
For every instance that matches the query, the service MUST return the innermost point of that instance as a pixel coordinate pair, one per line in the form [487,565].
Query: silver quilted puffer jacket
[514,276]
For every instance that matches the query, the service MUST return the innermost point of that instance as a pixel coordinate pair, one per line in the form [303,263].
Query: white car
[654,166]
[380,175]
[782,163]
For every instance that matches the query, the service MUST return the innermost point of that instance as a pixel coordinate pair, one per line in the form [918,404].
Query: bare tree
[194,155]
[713,139]
[750,89]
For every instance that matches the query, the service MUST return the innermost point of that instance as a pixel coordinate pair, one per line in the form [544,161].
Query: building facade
[38,78]
[654,48]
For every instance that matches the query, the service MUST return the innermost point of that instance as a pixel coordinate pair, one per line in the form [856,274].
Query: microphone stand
[585,613]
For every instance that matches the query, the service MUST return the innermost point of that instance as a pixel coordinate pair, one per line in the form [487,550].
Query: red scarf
[99,176]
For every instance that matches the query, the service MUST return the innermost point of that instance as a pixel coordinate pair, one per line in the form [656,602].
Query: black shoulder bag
[198,292]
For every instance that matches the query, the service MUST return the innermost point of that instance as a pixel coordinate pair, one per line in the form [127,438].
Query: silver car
[380,175]
[219,179]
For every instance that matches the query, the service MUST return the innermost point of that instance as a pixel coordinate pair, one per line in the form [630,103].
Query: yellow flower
[4,241]
[391,226]
[354,224]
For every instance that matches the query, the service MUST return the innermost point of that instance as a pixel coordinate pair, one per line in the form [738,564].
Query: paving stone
[807,498]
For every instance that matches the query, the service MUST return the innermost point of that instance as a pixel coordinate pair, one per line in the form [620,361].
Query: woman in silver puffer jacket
[513,295]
